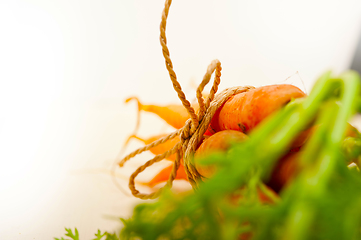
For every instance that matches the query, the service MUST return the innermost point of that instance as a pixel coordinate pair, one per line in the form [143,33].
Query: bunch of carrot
[318,196]
[232,123]
[260,144]
[266,186]
[235,118]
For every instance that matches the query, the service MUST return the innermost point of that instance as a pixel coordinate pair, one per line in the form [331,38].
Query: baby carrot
[163,176]
[244,111]
[220,141]
[286,168]
[351,131]
[161,148]
[174,114]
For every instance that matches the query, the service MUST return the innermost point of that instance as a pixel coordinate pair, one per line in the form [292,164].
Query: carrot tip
[131,98]
[132,137]
[138,114]
[136,99]
[148,184]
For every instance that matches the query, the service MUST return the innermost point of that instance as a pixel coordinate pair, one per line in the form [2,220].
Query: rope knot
[193,131]
[187,131]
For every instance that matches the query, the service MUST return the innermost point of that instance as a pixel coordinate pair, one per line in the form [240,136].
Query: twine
[191,134]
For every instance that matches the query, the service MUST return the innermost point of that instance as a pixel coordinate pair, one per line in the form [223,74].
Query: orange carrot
[174,114]
[208,133]
[244,111]
[285,169]
[220,141]
[161,148]
[164,174]
[288,166]
[351,131]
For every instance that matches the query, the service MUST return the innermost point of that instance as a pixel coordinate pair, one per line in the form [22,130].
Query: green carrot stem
[299,222]
[350,94]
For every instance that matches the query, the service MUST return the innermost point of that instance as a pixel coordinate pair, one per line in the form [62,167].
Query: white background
[66,67]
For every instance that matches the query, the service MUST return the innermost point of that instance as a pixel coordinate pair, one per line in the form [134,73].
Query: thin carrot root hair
[139,104]
[120,154]
[133,136]
[163,176]
[135,99]
[303,83]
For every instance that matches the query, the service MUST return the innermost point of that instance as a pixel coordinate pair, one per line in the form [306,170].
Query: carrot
[220,141]
[284,171]
[299,141]
[161,148]
[207,133]
[288,166]
[244,111]
[163,176]
[174,114]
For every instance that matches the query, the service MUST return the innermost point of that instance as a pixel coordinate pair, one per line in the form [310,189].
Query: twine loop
[192,133]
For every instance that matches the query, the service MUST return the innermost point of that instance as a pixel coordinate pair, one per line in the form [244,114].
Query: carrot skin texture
[220,141]
[244,111]
[174,115]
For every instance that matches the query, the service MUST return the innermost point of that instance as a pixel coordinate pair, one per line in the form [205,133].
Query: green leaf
[99,235]
[110,236]
[71,234]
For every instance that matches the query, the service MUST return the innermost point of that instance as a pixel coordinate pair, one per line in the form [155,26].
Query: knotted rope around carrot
[192,132]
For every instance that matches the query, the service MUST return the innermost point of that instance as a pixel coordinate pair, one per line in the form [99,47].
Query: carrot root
[164,174]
